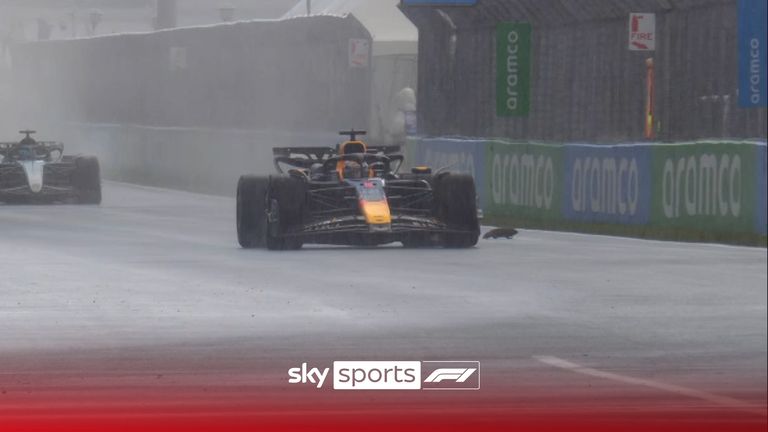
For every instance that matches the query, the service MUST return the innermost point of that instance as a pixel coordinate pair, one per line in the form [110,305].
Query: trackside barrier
[762,172]
[191,159]
[714,190]
[524,180]
[706,186]
[609,184]
[285,75]
[457,155]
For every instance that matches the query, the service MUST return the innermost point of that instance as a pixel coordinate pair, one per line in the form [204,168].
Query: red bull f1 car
[38,172]
[354,195]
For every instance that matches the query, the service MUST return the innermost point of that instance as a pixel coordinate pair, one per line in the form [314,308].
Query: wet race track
[147,301]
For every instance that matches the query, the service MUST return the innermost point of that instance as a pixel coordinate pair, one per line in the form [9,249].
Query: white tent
[392,32]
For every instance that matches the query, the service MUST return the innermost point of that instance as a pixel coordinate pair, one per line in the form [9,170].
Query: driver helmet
[28,142]
[353,169]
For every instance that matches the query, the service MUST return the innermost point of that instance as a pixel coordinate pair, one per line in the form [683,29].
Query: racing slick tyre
[285,201]
[86,180]
[456,205]
[252,211]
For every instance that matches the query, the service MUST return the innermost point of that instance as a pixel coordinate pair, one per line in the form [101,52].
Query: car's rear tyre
[252,211]
[285,202]
[456,205]
[86,180]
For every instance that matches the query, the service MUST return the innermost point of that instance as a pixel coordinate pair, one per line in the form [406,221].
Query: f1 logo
[450,375]
[455,374]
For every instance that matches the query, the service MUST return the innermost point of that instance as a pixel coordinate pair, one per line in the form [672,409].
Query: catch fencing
[585,84]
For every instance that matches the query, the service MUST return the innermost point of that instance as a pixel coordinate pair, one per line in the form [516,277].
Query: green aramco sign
[513,66]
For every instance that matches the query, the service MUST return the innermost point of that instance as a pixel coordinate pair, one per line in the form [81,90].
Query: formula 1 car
[38,172]
[354,195]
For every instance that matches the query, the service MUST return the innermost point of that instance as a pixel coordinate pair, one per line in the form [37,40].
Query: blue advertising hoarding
[456,155]
[609,184]
[753,91]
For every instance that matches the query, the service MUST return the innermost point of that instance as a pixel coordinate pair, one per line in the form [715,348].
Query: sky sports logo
[391,375]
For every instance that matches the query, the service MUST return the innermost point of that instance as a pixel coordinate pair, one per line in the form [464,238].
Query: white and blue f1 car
[38,172]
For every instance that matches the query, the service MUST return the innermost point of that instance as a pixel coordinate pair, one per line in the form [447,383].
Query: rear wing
[300,157]
[322,153]
[41,143]
[53,145]
[385,150]
[315,153]
[305,157]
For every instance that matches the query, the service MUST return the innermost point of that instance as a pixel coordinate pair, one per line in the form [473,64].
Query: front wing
[354,230]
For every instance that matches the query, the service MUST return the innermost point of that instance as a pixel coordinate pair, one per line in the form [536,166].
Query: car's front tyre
[252,211]
[456,206]
[86,180]
[285,206]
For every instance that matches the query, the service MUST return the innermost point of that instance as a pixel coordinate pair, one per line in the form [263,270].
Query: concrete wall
[194,108]
[292,75]
[193,159]
[703,190]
